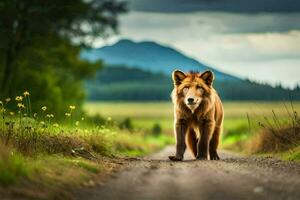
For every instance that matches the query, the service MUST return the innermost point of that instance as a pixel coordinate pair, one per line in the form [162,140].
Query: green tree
[53,76]
[40,41]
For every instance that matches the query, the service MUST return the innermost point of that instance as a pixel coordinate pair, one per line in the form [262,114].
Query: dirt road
[231,178]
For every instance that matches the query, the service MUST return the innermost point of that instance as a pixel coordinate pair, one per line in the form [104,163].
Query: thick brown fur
[198,115]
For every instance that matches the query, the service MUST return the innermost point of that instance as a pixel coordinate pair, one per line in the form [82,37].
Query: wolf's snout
[190,100]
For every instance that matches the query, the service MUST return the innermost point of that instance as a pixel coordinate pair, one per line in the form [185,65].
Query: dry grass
[276,136]
[270,140]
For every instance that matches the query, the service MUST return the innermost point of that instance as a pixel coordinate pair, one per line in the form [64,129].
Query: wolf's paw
[201,157]
[214,156]
[174,158]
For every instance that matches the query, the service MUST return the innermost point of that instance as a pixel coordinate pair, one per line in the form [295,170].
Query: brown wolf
[198,113]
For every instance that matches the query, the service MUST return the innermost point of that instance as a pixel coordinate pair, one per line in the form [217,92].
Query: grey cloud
[213,23]
[240,6]
[243,23]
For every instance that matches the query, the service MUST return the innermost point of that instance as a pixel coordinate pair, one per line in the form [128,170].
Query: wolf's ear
[208,77]
[178,77]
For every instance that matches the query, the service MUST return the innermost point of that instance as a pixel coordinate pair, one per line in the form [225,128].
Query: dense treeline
[247,90]
[122,83]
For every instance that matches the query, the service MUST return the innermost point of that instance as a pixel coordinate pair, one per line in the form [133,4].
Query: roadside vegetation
[274,131]
[55,152]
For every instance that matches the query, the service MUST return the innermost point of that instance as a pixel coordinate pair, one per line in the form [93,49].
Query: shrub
[126,124]
[156,129]
[275,140]
[276,136]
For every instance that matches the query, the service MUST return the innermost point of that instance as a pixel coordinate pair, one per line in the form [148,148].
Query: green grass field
[240,117]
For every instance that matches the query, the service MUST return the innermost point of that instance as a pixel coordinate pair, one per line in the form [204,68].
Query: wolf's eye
[185,90]
[200,88]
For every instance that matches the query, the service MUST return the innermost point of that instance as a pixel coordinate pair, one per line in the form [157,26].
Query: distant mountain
[141,71]
[149,56]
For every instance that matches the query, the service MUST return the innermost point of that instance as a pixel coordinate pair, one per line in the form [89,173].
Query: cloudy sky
[258,39]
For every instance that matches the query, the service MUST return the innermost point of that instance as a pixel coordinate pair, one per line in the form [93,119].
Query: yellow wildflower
[77,123]
[44,108]
[72,107]
[7,100]
[19,98]
[82,118]
[68,114]
[56,125]
[20,105]
[109,119]
[26,93]
[42,122]
[11,113]
[50,115]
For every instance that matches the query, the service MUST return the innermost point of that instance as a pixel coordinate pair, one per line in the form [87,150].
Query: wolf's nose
[190,100]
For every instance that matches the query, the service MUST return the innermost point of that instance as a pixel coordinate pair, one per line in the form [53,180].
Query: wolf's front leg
[203,144]
[180,132]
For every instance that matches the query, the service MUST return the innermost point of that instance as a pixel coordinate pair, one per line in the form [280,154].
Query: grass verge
[267,136]
[57,159]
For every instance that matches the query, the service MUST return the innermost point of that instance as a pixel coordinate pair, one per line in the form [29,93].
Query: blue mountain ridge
[149,56]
